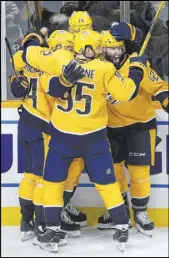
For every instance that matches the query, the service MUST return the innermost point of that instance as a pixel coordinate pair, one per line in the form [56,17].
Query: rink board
[86,197]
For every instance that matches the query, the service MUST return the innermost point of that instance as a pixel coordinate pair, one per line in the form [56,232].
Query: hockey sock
[140,186]
[113,200]
[38,202]
[26,189]
[53,202]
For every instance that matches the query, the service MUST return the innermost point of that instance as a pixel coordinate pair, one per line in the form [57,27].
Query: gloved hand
[19,85]
[38,36]
[22,80]
[138,62]
[71,74]
[123,31]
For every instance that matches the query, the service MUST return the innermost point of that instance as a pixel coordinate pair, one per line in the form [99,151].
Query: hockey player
[80,21]
[36,105]
[80,18]
[78,129]
[44,62]
[132,129]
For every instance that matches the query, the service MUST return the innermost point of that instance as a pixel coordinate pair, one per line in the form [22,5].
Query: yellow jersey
[46,60]
[83,109]
[37,102]
[139,109]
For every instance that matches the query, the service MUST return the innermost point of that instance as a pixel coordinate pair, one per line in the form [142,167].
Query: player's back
[83,109]
[37,102]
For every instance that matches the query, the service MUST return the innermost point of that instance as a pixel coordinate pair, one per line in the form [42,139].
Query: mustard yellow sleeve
[19,63]
[44,80]
[153,84]
[46,60]
[121,88]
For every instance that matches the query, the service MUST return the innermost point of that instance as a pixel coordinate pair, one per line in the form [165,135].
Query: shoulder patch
[46,53]
[153,76]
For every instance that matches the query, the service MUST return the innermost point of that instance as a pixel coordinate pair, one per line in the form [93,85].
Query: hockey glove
[38,36]
[19,86]
[138,62]
[123,31]
[71,74]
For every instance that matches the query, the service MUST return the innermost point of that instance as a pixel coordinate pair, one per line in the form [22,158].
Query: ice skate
[77,217]
[143,224]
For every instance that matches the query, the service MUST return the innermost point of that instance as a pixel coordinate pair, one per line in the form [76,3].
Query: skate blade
[105,226]
[130,224]
[72,234]
[148,233]
[49,247]
[27,235]
[62,242]
[120,246]
[35,242]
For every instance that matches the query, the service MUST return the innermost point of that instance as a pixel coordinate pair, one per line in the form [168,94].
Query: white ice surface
[92,243]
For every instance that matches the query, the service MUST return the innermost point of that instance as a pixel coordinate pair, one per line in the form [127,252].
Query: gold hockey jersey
[139,109]
[37,103]
[83,109]
[46,60]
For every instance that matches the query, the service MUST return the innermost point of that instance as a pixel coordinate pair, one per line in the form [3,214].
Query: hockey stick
[11,56]
[13,64]
[161,6]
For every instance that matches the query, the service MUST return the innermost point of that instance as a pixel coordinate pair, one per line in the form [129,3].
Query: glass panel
[125,11]
[16,27]
[141,15]
[3,53]
[19,16]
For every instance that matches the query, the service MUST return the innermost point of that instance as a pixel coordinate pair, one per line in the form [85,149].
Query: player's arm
[126,88]
[19,85]
[19,63]
[56,86]
[36,52]
[42,58]
[153,84]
